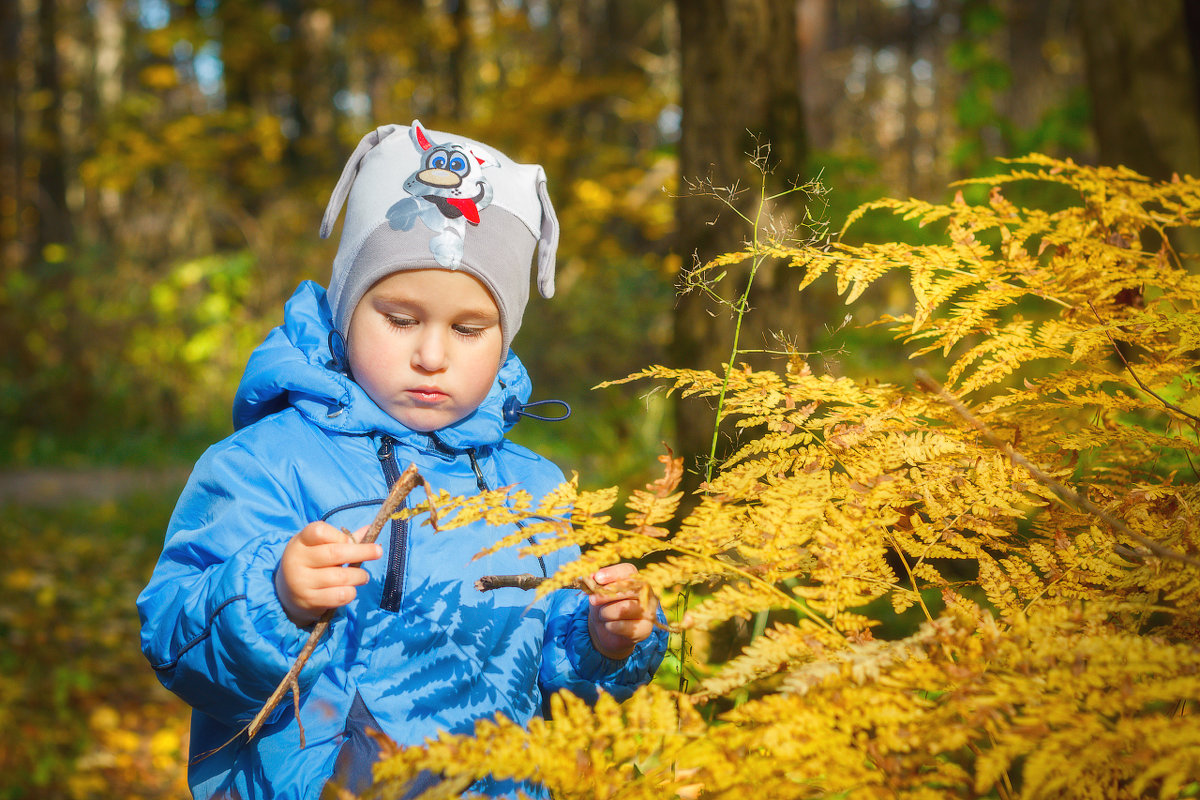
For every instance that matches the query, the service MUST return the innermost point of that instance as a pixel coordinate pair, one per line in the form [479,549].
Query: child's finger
[341,552]
[614,572]
[617,581]
[331,597]
[626,609]
[331,577]
[611,594]
[629,588]
[318,533]
[632,629]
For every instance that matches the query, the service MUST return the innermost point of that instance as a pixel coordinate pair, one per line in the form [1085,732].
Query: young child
[405,360]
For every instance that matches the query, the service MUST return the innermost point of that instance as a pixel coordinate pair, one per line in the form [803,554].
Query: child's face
[425,345]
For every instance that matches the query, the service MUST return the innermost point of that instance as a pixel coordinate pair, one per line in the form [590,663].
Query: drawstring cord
[514,409]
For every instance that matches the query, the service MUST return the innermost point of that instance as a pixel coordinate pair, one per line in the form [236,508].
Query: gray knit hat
[436,200]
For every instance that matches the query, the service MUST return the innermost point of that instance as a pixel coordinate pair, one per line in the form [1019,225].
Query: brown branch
[524,581]
[407,481]
[586,584]
[1064,493]
[487,583]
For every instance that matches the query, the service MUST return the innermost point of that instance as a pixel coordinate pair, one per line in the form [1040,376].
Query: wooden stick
[487,583]
[407,481]
[1064,493]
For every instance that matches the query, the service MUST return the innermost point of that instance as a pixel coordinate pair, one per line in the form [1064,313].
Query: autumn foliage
[925,617]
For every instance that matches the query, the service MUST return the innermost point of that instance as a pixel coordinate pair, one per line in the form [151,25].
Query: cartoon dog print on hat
[448,191]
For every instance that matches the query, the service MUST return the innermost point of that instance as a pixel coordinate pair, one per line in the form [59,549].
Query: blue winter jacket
[420,650]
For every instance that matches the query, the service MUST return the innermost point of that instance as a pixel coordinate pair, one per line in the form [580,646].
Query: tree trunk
[740,88]
[110,56]
[1140,74]
[12,195]
[54,226]
[462,65]
[314,145]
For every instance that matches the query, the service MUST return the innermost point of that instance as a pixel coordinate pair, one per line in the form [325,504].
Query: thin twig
[586,584]
[487,583]
[524,581]
[1064,493]
[407,481]
[1134,375]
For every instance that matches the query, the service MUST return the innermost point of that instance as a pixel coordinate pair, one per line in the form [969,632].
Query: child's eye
[400,322]
[468,331]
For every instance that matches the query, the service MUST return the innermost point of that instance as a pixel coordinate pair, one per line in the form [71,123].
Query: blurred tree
[159,133]
[11,122]
[1141,73]
[313,85]
[739,79]
[163,161]
[579,88]
[53,219]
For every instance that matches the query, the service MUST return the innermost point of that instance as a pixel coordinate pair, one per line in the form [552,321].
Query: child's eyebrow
[480,313]
[402,301]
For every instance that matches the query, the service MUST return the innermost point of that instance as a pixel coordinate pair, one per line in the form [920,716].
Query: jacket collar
[296,366]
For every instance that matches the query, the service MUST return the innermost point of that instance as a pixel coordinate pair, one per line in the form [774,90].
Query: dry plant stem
[1064,493]
[1135,377]
[408,479]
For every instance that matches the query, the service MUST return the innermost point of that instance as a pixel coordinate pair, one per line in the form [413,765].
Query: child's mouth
[425,394]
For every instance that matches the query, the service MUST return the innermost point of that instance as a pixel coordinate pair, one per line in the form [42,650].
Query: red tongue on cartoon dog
[467,206]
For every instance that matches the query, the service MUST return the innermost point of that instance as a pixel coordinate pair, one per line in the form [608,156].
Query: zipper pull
[385,448]
[479,481]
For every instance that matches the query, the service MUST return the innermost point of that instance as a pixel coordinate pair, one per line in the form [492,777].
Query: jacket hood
[297,366]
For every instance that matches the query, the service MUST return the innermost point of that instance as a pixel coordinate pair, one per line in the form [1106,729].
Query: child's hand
[312,577]
[618,621]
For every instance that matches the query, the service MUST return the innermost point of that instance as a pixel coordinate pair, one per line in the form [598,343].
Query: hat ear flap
[417,132]
[548,241]
[484,158]
[349,172]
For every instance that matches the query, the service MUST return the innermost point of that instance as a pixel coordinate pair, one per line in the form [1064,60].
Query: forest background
[164,165]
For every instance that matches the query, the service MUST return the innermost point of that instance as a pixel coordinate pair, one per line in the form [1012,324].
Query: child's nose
[430,354]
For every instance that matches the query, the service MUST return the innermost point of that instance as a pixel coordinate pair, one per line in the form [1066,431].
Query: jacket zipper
[393,586]
[483,487]
[479,480]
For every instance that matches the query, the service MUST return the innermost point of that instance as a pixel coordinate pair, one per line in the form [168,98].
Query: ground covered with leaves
[81,714]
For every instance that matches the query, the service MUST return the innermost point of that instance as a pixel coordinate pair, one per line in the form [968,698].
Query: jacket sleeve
[570,660]
[212,626]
